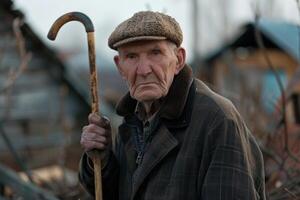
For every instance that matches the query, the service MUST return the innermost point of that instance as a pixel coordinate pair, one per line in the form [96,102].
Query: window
[270,89]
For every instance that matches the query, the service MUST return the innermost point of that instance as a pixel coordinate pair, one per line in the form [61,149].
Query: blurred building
[242,71]
[40,109]
[239,70]
[44,103]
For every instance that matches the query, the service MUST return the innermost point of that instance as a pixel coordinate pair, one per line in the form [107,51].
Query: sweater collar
[172,105]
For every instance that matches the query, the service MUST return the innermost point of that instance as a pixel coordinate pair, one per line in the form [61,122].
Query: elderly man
[179,139]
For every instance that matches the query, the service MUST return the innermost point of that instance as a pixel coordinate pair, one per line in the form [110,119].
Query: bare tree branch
[261,45]
[291,194]
[24,56]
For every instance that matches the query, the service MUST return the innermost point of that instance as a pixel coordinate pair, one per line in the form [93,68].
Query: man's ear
[117,62]
[181,56]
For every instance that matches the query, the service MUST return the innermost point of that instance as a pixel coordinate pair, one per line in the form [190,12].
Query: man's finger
[100,121]
[93,128]
[94,137]
[90,145]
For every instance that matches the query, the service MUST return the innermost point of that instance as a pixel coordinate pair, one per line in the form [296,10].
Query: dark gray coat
[200,149]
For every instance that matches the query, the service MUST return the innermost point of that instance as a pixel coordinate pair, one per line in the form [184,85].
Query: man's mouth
[146,83]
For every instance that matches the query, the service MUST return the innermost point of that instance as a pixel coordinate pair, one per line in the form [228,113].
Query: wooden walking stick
[85,20]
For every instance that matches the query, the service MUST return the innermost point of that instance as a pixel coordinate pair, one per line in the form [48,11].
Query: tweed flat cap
[146,25]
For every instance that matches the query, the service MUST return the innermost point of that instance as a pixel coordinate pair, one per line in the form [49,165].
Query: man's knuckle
[101,146]
[91,126]
[103,140]
[96,127]
[83,142]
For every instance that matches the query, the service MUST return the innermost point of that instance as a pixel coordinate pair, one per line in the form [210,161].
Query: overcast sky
[218,19]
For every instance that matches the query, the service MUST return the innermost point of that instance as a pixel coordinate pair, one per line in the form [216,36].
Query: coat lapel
[129,149]
[159,148]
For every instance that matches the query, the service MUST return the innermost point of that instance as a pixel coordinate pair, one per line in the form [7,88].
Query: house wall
[240,77]
[40,113]
[255,60]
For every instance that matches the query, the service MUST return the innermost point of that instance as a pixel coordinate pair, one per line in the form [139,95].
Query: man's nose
[144,67]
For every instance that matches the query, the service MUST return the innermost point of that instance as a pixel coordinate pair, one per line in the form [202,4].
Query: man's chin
[146,94]
[148,97]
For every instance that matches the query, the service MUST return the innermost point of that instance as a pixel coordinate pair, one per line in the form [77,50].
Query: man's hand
[97,134]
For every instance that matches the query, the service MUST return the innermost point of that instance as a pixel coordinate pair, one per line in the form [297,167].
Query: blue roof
[283,34]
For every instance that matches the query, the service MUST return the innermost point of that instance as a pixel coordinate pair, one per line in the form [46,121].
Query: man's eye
[156,51]
[131,55]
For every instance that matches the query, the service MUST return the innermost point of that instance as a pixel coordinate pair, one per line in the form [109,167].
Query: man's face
[149,67]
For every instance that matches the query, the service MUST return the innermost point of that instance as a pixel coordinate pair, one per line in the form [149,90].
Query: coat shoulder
[214,102]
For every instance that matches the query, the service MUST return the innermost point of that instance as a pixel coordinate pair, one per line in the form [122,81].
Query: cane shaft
[93,73]
[97,175]
[95,109]
[85,20]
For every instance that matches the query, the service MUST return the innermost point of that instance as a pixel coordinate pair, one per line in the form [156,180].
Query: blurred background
[248,51]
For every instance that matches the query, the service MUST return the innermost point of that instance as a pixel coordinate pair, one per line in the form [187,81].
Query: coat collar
[175,111]
[173,104]
[160,147]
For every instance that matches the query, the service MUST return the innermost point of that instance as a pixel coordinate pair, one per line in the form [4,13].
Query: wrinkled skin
[148,68]
[97,134]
